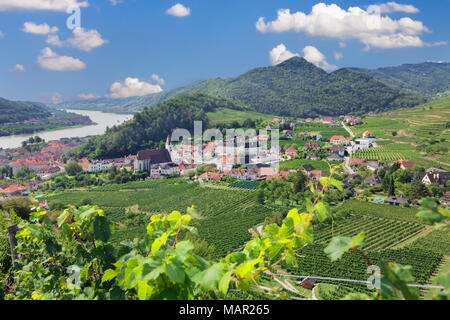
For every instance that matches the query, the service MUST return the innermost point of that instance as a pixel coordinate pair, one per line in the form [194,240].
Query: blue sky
[122,44]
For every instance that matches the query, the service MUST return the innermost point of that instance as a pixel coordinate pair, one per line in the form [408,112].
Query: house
[396,201]
[308,283]
[306,169]
[146,158]
[439,178]
[405,164]
[340,150]
[291,152]
[286,133]
[353,177]
[311,145]
[445,200]
[335,157]
[276,121]
[317,174]
[241,174]
[373,181]
[164,169]
[211,176]
[368,134]
[374,165]
[338,140]
[48,172]
[266,171]
[318,137]
[14,190]
[313,156]
[357,162]
[279,175]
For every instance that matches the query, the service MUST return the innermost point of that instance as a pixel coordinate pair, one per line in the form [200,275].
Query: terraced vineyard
[312,261]
[379,154]
[380,233]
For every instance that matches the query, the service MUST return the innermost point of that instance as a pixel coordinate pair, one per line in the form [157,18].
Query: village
[239,158]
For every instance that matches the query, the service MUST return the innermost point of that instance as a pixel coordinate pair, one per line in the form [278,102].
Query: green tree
[391,189]
[73,168]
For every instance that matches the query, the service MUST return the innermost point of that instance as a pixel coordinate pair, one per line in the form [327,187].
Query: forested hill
[427,79]
[15,111]
[292,88]
[150,128]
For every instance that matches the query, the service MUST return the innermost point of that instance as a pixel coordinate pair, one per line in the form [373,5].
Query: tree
[260,196]
[418,190]
[300,182]
[391,190]
[73,169]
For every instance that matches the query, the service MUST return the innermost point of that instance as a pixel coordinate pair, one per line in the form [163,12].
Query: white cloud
[50,60]
[42,29]
[56,98]
[132,87]
[2,35]
[82,40]
[19,68]
[49,5]
[179,10]
[313,55]
[331,21]
[392,7]
[280,54]
[158,79]
[115,2]
[338,55]
[342,44]
[88,96]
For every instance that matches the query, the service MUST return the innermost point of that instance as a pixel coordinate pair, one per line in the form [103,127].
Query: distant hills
[15,111]
[292,88]
[428,79]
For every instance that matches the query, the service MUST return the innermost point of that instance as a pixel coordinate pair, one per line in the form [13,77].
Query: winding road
[349,150]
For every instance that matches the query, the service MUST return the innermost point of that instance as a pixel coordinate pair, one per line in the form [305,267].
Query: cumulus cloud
[158,79]
[82,40]
[280,53]
[331,21]
[35,5]
[132,87]
[88,96]
[338,56]
[42,29]
[49,60]
[19,68]
[56,98]
[179,10]
[392,7]
[313,55]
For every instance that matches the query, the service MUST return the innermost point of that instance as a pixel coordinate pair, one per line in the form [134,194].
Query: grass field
[225,115]
[296,163]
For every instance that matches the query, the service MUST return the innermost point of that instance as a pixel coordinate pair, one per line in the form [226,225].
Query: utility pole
[12,230]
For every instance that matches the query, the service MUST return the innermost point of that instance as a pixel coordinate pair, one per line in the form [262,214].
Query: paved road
[349,150]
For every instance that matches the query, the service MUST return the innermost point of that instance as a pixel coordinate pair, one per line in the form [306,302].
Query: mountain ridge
[294,87]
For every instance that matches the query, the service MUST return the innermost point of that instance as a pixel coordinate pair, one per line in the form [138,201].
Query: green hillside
[292,88]
[427,79]
[15,111]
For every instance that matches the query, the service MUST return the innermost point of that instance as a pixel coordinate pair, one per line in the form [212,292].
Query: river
[101,119]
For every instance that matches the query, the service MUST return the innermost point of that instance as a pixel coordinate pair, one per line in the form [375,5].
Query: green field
[224,115]
[412,127]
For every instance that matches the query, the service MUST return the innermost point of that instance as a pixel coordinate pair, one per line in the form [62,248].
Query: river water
[101,119]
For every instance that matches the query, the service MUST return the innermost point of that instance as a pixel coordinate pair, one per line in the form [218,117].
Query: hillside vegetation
[427,79]
[292,88]
[15,111]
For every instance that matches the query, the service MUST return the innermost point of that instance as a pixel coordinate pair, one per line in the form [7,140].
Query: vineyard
[246,185]
[379,154]
[226,214]
[312,261]
[380,233]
